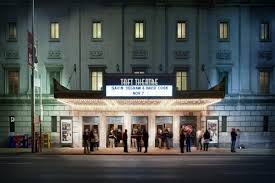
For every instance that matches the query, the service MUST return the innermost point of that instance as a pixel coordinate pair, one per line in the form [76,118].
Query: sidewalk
[151,151]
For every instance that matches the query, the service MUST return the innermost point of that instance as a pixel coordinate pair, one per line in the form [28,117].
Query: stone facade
[243,56]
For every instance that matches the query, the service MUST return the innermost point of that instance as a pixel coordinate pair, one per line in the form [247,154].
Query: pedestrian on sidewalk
[159,137]
[233,139]
[238,143]
[206,137]
[139,136]
[92,141]
[166,136]
[125,138]
[188,142]
[182,139]
[112,139]
[86,141]
[199,139]
[145,138]
[134,138]
[96,144]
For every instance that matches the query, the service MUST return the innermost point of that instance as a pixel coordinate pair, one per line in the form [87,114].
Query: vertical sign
[12,123]
[66,131]
[212,126]
[30,38]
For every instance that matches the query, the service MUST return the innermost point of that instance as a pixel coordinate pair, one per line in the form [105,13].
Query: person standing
[206,137]
[199,139]
[233,139]
[139,136]
[166,136]
[92,141]
[145,138]
[134,138]
[112,138]
[96,144]
[86,141]
[238,143]
[125,138]
[159,136]
[188,142]
[182,139]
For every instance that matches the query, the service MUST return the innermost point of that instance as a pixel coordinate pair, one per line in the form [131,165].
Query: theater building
[148,64]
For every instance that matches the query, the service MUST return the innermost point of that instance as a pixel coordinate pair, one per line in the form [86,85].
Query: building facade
[79,42]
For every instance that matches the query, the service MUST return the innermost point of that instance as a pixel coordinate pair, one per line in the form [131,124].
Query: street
[29,168]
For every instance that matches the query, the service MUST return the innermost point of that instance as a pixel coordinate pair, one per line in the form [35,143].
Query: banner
[66,131]
[212,126]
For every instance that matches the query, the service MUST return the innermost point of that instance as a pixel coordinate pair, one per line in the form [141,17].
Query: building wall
[75,47]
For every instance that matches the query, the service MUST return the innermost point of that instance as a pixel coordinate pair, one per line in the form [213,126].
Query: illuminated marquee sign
[139,86]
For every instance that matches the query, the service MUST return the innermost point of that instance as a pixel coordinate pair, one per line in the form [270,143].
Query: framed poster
[66,131]
[212,126]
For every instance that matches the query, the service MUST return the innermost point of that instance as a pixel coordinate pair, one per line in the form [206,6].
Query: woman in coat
[182,139]
[145,138]
[206,137]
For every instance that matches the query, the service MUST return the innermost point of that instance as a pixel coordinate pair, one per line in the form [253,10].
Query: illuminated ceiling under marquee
[139,104]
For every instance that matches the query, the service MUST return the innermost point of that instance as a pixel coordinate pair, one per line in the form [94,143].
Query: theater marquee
[139,86]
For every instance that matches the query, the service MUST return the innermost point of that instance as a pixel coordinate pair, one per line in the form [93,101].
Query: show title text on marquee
[139,81]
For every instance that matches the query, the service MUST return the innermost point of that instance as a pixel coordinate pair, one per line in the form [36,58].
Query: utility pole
[32,85]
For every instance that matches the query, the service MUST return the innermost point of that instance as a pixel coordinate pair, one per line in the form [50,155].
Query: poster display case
[66,131]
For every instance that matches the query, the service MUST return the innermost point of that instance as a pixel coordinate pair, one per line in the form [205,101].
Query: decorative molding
[181,54]
[223,54]
[265,55]
[11,54]
[54,54]
[96,54]
[140,54]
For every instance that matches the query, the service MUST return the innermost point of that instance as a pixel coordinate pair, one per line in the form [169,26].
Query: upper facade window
[13,82]
[181,80]
[223,31]
[55,31]
[96,80]
[181,31]
[97,31]
[265,31]
[11,31]
[264,82]
[139,30]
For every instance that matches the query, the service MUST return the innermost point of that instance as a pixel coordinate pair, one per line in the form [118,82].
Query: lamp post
[32,84]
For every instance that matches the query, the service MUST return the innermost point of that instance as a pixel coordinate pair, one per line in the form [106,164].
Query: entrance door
[138,123]
[164,131]
[114,131]
[189,125]
[91,123]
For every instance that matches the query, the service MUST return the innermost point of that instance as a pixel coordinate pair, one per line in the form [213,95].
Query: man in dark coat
[233,139]
[139,136]
[125,138]
[145,138]
[182,139]
[86,141]
[188,142]
[206,137]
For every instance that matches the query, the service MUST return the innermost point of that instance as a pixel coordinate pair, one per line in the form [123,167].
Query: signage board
[12,123]
[139,86]
[66,131]
[212,126]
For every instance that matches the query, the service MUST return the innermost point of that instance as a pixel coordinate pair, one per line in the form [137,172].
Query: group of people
[165,138]
[115,136]
[90,140]
[139,138]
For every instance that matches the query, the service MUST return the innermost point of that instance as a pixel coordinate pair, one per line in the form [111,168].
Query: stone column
[103,130]
[127,125]
[152,129]
[176,129]
[77,131]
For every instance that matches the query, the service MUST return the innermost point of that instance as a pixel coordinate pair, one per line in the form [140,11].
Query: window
[224,123]
[97,30]
[139,30]
[53,75]
[55,31]
[265,32]
[222,75]
[181,30]
[223,31]
[97,80]
[13,83]
[264,82]
[11,31]
[181,78]
[265,124]
[54,123]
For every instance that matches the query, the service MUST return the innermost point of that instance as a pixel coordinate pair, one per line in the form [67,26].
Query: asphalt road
[141,169]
